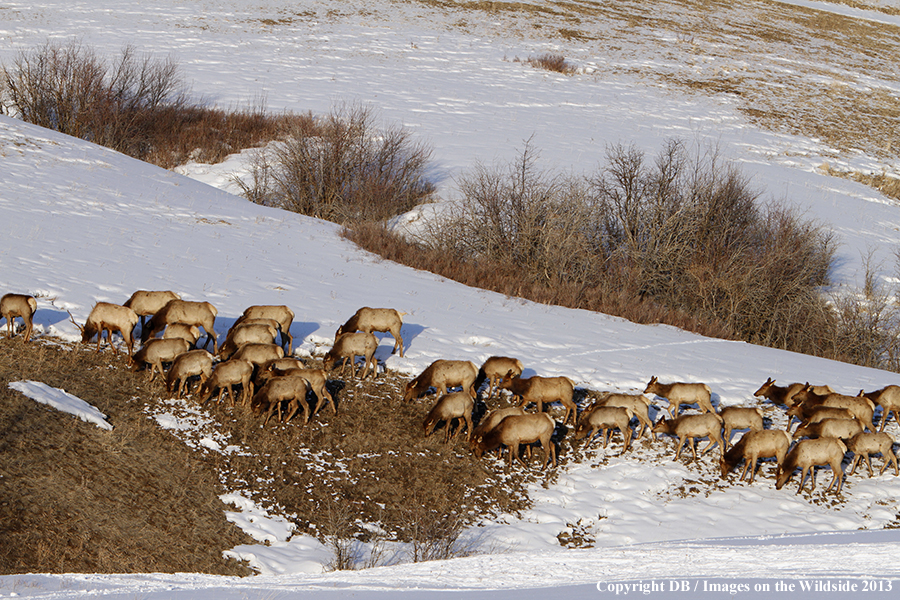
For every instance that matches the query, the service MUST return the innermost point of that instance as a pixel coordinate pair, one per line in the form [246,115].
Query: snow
[82,224]
[61,400]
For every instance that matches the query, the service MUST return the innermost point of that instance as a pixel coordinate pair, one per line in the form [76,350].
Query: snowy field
[80,224]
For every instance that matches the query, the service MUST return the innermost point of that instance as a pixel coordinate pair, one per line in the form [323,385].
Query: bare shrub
[550,61]
[342,168]
[434,534]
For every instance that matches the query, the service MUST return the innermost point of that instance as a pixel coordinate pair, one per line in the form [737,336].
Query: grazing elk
[350,345]
[681,393]
[187,365]
[375,319]
[605,419]
[317,379]
[18,305]
[888,398]
[201,314]
[864,444]
[224,377]
[269,397]
[753,445]
[259,354]
[282,315]
[838,428]
[146,304]
[189,333]
[109,317]
[442,374]
[860,407]
[807,454]
[638,404]
[689,427]
[156,352]
[542,390]
[740,417]
[493,418]
[254,333]
[783,395]
[497,369]
[516,430]
[450,407]
[809,414]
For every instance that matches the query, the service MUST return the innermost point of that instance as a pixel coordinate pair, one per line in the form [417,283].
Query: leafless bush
[342,168]
[551,61]
[434,534]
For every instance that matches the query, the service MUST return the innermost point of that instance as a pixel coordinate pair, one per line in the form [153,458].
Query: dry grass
[550,62]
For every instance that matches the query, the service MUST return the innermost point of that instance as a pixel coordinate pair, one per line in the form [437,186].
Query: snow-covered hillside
[79,224]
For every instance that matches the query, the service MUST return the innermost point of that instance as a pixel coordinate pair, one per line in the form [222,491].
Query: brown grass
[550,62]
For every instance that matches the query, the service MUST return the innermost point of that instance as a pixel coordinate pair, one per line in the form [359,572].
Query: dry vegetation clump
[550,62]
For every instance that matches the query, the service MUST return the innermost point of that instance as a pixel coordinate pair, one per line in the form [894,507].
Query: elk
[282,315]
[638,404]
[689,427]
[816,413]
[516,430]
[442,374]
[809,453]
[189,333]
[860,407]
[839,428]
[543,389]
[450,407]
[864,444]
[146,304]
[493,418]
[740,417]
[156,352]
[888,398]
[375,319]
[280,389]
[255,333]
[259,353]
[753,445]
[681,393]
[497,369]
[187,365]
[317,379]
[350,345]
[201,314]
[224,377]
[109,317]
[18,305]
[783,395]
[605,419]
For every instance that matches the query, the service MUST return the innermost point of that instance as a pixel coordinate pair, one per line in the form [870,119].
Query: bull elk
[542,390]
[443,374]
[375,319]
[109,317]
[146,303]
[201,314]
[753,445]
[18,305]
[807,454]
[281,314]
[681,393]
[497,369]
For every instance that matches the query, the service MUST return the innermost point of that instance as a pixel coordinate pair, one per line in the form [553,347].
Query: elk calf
[740,417]
[18,305]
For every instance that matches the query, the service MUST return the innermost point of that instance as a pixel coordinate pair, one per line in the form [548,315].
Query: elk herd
[256,356]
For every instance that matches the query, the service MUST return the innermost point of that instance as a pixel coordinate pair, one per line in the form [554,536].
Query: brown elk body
[110,317]
[753,445]
[224,377]
[156,352]
[18,305]
[269,397]
[638,404]
[201,314]
[317,379]
[740,417]
[809,414]
[189,333]
[254,333]
[864,444]
[187,365]
[838,428]
[888,398]
[375,319]
[542,390]
[860,407]
[783,395]
[259,353]
[689,427]
[450,407]
[497,369]
[493,418]
[147,303]
[604,419]
[350,345]
[807,454]
[516,430]
[281,314]
[681,393]
[442,374]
